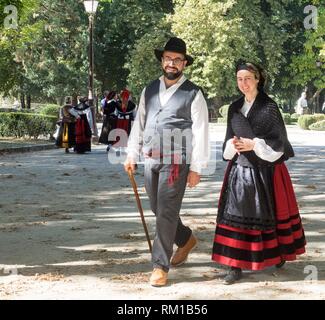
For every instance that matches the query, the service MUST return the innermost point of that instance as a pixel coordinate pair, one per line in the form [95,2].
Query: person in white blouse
[302,104]
[171,107]
[258,222]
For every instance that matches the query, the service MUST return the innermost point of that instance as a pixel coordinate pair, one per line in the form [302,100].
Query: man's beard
[172,75]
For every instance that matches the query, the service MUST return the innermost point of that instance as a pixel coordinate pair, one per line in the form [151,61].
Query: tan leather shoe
[158,278]
[181,254]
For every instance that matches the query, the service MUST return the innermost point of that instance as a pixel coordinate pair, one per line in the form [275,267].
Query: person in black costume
[82,129]
[258,222]
[109,107]
[125,112]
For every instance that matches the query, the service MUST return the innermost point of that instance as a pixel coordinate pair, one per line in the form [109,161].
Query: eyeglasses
[176,61]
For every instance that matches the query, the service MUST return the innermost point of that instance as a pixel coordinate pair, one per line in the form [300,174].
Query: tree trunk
[29,101]
[309,89]
[22,101]
[318,107]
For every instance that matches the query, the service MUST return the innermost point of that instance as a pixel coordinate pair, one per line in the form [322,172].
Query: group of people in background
[77,120]
[75,126]
[118,112]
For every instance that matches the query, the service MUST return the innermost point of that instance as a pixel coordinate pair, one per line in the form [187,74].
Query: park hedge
[295,117]
[20,124]
[50,110]
[16,110]
[318,126]
[305,121]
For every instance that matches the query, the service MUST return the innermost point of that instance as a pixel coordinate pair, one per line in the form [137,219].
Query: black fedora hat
[174,45]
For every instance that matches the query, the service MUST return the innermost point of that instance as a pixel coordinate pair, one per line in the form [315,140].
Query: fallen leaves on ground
[48,277]
[129,236]
[10,227]
[54,215]
[139,277]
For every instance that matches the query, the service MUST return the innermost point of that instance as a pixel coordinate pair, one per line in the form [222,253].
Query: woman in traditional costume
[125,112]
[258,222]
[83,128]
[66,136]
[109,108]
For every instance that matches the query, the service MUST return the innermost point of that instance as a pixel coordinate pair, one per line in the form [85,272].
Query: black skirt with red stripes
[248,247]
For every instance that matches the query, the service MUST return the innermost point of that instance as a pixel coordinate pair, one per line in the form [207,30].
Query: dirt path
[69,229]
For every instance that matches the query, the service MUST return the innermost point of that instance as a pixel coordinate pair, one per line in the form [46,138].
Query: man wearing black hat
[171,130]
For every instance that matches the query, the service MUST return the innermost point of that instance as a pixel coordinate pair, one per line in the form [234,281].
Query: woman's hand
[243,144]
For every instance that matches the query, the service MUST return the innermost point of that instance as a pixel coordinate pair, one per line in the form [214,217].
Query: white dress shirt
[261,149]
[200,126]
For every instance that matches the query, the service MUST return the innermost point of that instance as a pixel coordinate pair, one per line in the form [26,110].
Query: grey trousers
[166,201]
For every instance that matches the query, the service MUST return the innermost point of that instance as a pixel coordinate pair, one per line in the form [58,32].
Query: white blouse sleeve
[230,150]
[200,130]
[265,152]
[135,141]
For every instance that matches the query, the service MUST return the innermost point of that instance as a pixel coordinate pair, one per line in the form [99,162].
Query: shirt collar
[249,103]
[180,81]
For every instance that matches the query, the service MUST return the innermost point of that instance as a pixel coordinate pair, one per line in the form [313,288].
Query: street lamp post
[91,8]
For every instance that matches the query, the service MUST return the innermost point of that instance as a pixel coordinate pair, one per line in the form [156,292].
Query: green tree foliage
[12,75]
[47,55]
[119,25]
[53,48]
[221,33]
[308,65]
[143,64]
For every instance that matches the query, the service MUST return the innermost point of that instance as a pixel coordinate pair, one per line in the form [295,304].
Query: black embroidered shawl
[263,121]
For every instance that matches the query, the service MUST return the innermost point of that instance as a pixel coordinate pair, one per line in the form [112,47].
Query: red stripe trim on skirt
[290,239]
[246,245]
[245,231]
[288,225]
[286,210]
[246,264]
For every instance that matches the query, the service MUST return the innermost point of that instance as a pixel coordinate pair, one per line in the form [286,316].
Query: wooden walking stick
[135,189]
